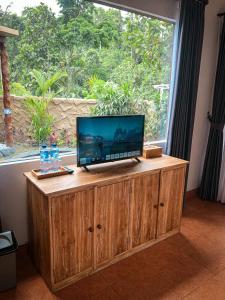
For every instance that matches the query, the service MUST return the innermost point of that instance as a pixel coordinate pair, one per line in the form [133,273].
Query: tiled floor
[190,265]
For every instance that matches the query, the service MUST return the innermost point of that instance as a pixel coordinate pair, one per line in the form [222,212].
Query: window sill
[35,159]
[71,155]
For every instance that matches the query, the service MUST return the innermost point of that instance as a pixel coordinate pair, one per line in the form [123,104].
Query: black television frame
[112,160]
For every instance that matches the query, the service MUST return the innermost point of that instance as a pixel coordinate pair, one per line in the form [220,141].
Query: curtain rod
[221,14]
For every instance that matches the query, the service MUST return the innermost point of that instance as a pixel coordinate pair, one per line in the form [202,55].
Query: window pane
[87,59]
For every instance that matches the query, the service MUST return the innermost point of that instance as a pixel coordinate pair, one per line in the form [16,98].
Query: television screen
[109,138]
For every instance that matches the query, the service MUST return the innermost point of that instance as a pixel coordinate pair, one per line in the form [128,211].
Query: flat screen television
[109,138]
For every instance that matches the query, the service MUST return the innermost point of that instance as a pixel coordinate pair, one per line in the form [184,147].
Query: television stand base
[137,159]
[86,168]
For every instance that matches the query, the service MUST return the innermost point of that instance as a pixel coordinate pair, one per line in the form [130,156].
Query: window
[88,59]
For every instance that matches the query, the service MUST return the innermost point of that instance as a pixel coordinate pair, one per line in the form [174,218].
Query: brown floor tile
[72,293]
[208,253]
[220,276]
[211,290]
[107,294]
[125,269]
[146,288]
[11,295]
[35,289]
[187,275]
[91,285]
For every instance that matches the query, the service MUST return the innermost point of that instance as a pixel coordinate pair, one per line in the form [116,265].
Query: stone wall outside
[64,111]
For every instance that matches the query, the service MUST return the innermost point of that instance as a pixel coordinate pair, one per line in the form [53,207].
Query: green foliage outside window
[37,107]
[114,57]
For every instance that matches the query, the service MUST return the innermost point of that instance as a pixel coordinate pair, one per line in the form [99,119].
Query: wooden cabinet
[83,222]
[103,224]
[112,210]
[144,208]
[170,200]
[72,227]
[39,231]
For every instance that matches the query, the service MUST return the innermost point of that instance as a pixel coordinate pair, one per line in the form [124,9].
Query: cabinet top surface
[100,174]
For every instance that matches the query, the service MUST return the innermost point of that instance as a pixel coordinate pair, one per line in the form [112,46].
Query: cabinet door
[170,199]
[72,234]
[144,208]
[112,205]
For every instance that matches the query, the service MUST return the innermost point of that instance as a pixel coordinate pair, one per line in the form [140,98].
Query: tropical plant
[41,119]
[45,85]
[112,99]
[18,89]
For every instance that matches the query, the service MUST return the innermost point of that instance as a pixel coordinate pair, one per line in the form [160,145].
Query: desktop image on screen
[103,139]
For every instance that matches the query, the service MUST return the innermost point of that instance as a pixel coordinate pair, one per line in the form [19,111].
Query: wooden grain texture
[39,231]
[40,175]
[102,174]
[152,151]
[104,218]
[144,208]
[112,214]
[72,242]
[121,217]
[170,199]
[6,31]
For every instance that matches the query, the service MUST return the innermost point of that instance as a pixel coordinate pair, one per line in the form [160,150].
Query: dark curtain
[191,31]
[213,158]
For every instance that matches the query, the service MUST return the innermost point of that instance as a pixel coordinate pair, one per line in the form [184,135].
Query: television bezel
[111,160]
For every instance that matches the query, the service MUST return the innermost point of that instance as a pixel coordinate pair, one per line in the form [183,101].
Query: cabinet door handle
[90,229]
[99,226]
[161,204]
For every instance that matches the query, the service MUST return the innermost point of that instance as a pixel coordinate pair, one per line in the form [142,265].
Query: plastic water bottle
[44,159]
[54,153]
[58,163]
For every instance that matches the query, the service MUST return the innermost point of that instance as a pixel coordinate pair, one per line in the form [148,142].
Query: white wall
[13,204]
[205,91]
